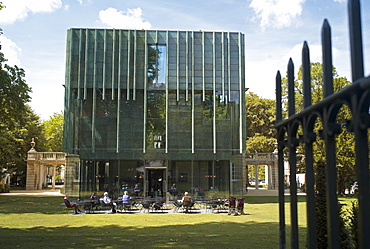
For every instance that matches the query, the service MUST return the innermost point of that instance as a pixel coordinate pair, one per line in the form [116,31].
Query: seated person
[126,201]
[173,190]
[93,196]
[71,204]
[186,201]
[94,200]
[136,190]
[126,197]
[107,201]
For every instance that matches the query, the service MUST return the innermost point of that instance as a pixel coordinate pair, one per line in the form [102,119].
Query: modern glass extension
[153,108]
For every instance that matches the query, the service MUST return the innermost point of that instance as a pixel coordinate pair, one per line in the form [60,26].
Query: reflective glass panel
[157,55]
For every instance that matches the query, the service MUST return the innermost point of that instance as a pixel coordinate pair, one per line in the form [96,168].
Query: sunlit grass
[41,222]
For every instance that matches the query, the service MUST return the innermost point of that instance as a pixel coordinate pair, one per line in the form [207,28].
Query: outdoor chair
[146,206]
[157,206]
[126,206]
[187,206]
[177,206]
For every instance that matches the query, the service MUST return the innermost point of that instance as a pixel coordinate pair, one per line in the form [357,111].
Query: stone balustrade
[261,156]
[46,156]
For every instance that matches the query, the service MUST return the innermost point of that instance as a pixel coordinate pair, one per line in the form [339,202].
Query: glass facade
[153,108]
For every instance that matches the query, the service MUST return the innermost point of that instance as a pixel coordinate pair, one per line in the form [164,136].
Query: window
[157,55]
[233,172]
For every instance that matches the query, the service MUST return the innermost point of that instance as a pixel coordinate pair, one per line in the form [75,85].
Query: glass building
[153,108]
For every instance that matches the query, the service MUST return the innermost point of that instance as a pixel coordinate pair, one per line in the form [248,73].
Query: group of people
[104,199]
[126,199]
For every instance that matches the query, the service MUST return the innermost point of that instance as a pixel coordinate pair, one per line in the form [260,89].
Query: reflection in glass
[208,106]
[221,105]
[156,120]
[156,66]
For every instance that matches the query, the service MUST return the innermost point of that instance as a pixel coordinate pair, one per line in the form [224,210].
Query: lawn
[41,222]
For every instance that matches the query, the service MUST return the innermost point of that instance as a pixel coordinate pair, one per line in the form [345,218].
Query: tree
[260,114]
[53,132]
[344,140]
[18,123]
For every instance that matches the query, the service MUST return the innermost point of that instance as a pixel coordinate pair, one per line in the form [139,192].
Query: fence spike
[291,98]
[278,97]
[355,37]
[306,74]
[327,63]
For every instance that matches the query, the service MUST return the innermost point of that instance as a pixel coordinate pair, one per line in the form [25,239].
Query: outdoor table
[88,204]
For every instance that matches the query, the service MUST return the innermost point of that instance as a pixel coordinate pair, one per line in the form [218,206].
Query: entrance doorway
[156,182]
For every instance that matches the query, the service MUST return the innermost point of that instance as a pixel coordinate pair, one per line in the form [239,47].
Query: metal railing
[357,98]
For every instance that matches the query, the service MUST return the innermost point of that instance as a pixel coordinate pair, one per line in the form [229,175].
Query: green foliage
[18,123]
[344,232]
[321,208]
[53,132]
[352,219]
[344,140]
[317,92]
[260,114]
[260,144]
[4,188]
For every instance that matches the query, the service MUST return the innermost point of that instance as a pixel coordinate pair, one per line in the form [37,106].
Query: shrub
[321,216]
[352,222]
[4,188]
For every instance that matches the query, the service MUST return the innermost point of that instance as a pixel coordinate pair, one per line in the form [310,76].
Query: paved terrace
[56,192]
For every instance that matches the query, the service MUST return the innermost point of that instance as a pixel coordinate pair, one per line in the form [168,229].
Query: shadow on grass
[205,235]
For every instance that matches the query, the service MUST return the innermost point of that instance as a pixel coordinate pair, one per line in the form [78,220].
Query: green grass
[41,222]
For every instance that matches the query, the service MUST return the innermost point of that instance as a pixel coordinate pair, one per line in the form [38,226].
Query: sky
[34,34]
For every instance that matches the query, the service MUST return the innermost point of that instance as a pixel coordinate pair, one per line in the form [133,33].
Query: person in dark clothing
[71,204]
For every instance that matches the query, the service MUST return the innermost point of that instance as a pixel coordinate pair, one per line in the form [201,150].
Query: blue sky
[34,34]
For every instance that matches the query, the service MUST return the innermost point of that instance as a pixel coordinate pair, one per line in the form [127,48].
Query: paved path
[43,192]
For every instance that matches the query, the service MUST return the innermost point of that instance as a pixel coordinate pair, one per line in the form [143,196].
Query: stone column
[72,181]
[31,179]
[53,177]
[256,173]
[39,175]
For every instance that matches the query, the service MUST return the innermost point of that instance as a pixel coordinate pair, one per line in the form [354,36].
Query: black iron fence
[298,129]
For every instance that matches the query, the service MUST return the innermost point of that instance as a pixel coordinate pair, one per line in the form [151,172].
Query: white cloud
[276,13]
[296,54]
[11,51]
[130,19]
[84,1]
[340,1]
[340,58]
[18,10]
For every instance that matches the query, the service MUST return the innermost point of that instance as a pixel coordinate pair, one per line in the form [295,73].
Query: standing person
[71,204]
[107,201]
